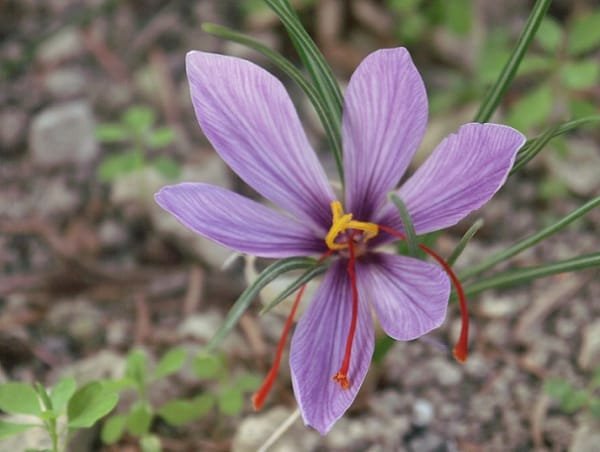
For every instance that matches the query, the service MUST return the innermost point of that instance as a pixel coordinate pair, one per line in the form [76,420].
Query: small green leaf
[114,166]
[581,74]
[581,108]
[112,133]
[207,365]
[19,398]
[167,167]
[595,407]
[457,16]
[90,403]
[584,33]
[576,400]
[549,35]
[8,428]
[62,392]
[161,137]
[170,363]
[248,382]
[139,419]
[150,443]
[230,401]
[180,412]
[136,367]
[139,118]
[558,388]
[113,429]
[532,109]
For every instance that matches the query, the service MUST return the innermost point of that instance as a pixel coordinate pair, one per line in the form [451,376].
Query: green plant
[140,375]
[136,131]
[60,411]
[571,399]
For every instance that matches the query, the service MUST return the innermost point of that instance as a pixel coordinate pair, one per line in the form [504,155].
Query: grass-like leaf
[409,229]
[243,302]
[462,244]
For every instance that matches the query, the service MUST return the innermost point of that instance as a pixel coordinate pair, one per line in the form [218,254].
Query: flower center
[344,227]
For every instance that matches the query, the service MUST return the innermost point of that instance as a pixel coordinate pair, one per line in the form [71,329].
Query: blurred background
[95,116]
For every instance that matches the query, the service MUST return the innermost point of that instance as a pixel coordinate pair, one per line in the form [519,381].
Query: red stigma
[341,377]
[460,350]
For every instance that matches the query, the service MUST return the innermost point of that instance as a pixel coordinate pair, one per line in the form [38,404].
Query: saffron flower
[248,117]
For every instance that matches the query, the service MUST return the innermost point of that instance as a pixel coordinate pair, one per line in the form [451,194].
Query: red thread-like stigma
[460,350]
[341,377]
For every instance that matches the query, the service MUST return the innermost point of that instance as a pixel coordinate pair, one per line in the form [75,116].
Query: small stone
[446,373]
[81,320]
[54,197]
[254,431]
[113,235]
[102,365]
[579,171]
[63,135]
[497,306]
[586,437]
[589,355]
[422,413]
[65,83]
[63,45]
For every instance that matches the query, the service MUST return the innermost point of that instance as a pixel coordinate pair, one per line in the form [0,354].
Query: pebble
[54,197]
[61,46]
[12,129]
[65,83]
[446,373]
[63,135]
[496,306]
[586,437]
[80,318]
[113,235]
[422,413]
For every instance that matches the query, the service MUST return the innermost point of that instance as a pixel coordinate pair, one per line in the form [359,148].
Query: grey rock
[586,437]
[104,364]
[255,430]
[579,171]
[501,306]
[65,83]
[63,45]
[446,373]
[54,197]
[422,413]
[112,234]
[63,135]
[80,318]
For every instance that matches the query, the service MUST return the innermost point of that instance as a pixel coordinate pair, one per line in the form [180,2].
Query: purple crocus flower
[248,117]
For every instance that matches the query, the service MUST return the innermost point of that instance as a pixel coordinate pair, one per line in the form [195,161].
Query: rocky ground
[90,269]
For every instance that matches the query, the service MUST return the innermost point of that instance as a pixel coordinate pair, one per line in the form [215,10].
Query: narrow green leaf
[309,274]
[530,241]
[558,388]
[243,302]
[332,127]
[584,33]
[9,428]
[112,133]
[526,155]
[180,412]
[409,229]
[321,74]
[496,93]
[139,419]
[462,244]
[577,400]
[89,404]
[62,392]
[230,401]
[170,363]
[19,398]
[523,275]
[113,429]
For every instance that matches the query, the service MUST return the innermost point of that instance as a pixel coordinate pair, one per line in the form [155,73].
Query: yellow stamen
[342,222]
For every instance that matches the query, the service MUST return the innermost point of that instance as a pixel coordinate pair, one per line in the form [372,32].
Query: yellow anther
[342,222]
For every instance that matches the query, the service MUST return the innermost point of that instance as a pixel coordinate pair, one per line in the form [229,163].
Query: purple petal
[460,176]
[248,117]
[318,347]
[385,116]
[238,222]
[410,296]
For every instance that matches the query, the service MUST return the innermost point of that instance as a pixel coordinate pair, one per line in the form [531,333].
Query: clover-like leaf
[170,363]
[19,398]
[62,392]
[113,429]
[90,403]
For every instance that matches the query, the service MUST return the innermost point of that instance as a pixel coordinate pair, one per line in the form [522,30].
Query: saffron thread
[341,376]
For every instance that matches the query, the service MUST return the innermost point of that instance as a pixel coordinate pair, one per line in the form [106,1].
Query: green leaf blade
[170,363]
[62,392]
[19,398]
[90,403]
[8,429]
